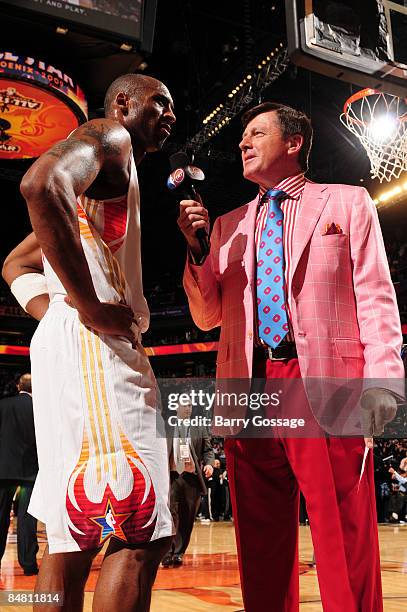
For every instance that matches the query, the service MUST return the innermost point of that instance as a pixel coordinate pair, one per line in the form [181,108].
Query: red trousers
[265,476]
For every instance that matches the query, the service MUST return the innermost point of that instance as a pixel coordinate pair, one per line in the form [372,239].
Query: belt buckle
[271,351]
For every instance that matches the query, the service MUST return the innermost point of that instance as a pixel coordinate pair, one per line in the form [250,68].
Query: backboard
[359,41]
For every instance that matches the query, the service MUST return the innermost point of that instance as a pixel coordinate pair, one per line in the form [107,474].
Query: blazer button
[250,334]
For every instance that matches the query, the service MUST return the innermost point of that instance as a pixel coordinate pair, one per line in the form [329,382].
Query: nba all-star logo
[110,523]
[10,99]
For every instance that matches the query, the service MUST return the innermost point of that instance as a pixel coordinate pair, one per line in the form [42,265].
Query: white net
[379,121]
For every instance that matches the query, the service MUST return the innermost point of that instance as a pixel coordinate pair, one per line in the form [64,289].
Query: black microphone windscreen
[179,160]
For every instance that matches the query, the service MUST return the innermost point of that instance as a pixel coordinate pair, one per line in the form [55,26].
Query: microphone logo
[176,178]
[195,173]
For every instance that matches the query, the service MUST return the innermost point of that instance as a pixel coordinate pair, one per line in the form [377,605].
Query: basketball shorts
[103,468]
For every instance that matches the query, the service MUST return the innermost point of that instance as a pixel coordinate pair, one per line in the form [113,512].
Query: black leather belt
[287,350]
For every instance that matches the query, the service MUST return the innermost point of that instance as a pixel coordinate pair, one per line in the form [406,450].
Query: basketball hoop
[379,121]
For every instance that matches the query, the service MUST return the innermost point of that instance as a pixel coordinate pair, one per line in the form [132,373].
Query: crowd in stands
[8,382]
[157,337]
[390,459]
[167,300]
[390,455]
[397,257]
[189,369]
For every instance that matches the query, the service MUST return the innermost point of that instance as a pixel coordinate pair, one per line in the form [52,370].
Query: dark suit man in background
[191,447]
[18,468]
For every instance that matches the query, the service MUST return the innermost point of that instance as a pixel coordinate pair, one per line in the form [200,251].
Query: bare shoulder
[104,137]
[108,134]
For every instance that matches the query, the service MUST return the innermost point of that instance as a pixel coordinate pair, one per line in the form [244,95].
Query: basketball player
[103,472]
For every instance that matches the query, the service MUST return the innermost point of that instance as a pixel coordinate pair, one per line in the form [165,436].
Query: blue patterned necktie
[271,308]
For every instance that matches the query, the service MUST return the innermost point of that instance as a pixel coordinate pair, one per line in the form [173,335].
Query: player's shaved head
[132,85]
[144,107]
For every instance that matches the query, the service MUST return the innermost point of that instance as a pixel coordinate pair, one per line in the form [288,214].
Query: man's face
[151,118]
[264,151]
[184,411]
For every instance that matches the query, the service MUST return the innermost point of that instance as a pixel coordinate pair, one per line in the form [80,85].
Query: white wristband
[28,286]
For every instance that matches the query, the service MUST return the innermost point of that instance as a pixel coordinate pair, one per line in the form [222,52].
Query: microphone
[182,180]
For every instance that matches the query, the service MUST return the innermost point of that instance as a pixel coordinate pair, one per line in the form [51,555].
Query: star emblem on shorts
[110,523]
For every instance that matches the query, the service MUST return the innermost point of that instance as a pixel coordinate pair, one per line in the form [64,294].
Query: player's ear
[122,102]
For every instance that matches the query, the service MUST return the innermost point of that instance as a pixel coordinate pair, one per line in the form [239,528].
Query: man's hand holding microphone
[193,219]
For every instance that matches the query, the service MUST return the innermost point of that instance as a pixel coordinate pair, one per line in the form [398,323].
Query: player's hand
[208,471]
[392,470]
[379,407]
[111,318]
[192,216]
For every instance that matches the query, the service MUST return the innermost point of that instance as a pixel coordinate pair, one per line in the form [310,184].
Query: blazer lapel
[249,256]
[313,202]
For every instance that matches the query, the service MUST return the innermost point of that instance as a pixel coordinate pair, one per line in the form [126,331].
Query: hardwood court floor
[209,579]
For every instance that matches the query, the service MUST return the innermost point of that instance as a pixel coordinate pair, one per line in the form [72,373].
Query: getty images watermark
[223,407]
[307,408]
[205,401]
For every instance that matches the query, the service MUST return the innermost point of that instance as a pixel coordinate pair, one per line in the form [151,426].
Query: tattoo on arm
[65,146]
[81,164]
[83,153]
[84,170]
[99,133]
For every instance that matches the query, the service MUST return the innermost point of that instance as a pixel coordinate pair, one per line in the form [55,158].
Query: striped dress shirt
[293,186]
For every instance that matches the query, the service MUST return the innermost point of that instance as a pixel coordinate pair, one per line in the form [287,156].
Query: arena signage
[39,105]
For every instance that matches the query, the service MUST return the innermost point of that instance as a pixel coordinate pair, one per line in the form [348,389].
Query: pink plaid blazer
[342,302]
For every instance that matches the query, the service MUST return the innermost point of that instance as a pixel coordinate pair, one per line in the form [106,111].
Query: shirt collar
[293,186]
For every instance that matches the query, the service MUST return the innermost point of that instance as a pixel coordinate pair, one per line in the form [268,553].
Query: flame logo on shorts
[93,522]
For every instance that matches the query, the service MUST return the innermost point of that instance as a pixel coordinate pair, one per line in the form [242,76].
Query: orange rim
[363,93]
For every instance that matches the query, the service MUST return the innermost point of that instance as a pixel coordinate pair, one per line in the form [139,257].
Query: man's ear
[295,143]
[122,103]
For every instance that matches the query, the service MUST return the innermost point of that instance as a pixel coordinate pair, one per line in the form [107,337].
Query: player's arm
[51,188]
[23,272]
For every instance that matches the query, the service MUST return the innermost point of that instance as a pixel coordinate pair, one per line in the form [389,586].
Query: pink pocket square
[332,228]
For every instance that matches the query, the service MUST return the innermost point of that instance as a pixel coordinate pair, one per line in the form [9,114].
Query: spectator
[18,468]
[190,447]
[398,502]
[215,492]
[403,464]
